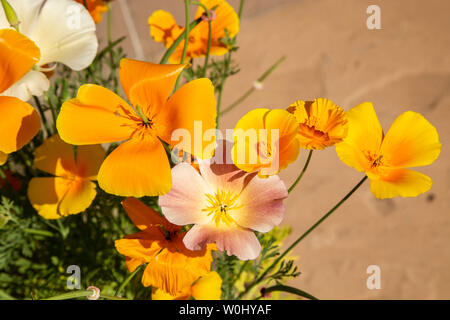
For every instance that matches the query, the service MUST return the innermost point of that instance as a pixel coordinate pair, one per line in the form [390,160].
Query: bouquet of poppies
[117,183]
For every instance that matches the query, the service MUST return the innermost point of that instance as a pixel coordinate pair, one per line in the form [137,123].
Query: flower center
[311,133]
[219,205]
[374,159]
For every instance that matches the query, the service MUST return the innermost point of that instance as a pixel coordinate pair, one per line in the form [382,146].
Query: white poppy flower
[64,32]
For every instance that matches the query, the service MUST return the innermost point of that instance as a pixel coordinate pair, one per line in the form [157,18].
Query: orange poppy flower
[71,190]
[96,8]
[171,266]
[265,141]
[208,287]
[139,166]
[321,123]
[163,28]
[411,141]
[20,122]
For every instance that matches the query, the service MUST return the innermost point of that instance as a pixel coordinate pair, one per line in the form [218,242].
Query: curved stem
[287,289]
[205,66]
[186,41]
[127,280]
[305,167]
[72,295]
[292,246]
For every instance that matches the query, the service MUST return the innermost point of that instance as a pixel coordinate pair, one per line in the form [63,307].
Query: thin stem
[39,232]
[205,66]
[186,40]
[241,8]
[304,235]
[226,60]
[72,295]
[41,112]
[252,89]
[305,167]
[127,280]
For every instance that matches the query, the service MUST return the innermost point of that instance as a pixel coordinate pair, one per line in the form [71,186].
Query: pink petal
[261,204]
[234,240]
[183,204]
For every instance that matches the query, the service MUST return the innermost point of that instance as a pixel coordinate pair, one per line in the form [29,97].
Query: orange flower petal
[3,158]
[57,157]
[144,217]
[143,248]
[191,111]
[78,198]
[18,55]
[19,124]
[56,197]
[163,27]
[138,167]
[132,72]
[97,115]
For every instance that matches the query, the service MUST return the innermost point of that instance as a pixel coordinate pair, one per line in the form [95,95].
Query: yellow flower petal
[163,27]
[402,182]
[136,168]
[363,139]
[410,142]
[18,55]
[208,287]
[19,124]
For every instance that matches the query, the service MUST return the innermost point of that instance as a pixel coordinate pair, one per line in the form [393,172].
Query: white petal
[34,83]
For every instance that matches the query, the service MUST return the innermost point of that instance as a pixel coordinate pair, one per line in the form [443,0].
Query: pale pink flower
[225,204]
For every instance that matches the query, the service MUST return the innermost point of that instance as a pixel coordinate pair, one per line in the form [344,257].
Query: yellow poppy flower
[20,122]
[321,123]
[96,8]
[163,28]
[208,287]
[410,142]
[171,266]
[265,141]
[139,166]
[71,190]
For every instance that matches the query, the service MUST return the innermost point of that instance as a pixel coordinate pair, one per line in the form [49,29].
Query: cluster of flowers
[215,203]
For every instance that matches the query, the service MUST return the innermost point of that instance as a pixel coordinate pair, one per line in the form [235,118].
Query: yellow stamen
[219,206]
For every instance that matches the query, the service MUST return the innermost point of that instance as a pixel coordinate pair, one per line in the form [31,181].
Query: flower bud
[10,14]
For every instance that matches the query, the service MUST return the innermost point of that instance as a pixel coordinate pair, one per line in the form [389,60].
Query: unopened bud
[212,16]
[258,85]
[10,15]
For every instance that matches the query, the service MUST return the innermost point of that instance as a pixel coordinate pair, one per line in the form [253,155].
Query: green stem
[39,232]
[305,167]
[205,66]
[112,297]
[186,41]
[287,289]
[72,295]
[252,89]
[304,235]
[227,61]
[127,280]
[241,8]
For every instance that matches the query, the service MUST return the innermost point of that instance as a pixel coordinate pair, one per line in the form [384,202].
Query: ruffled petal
[234,240]
[363,139]
[227,19]
[73,42]
[34,83]
[260,205]
[18,55]
[190,114]
[136,168]
[183,204]
[410,142]
[97,115]
[20,123]
[402,182]
[131,72]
